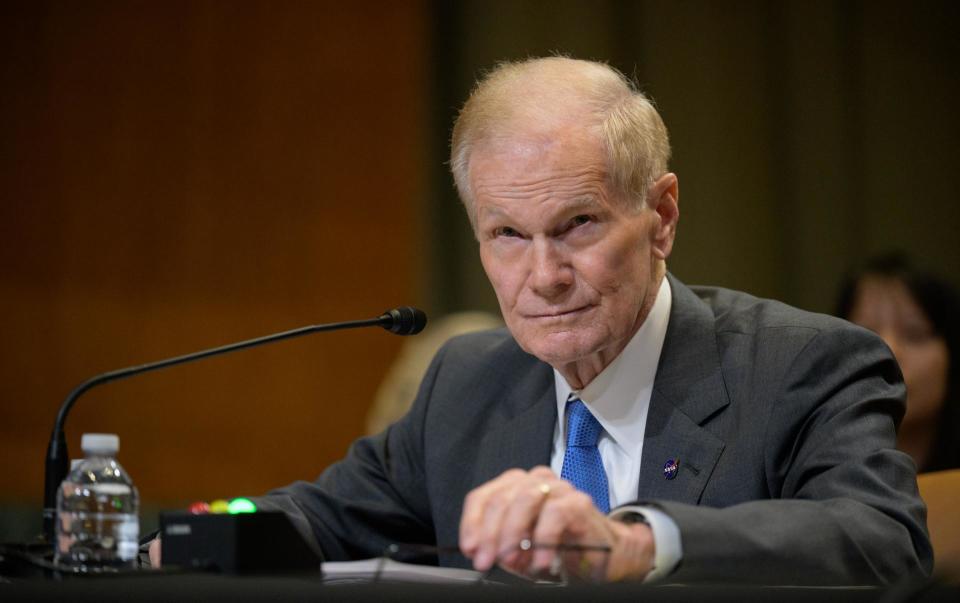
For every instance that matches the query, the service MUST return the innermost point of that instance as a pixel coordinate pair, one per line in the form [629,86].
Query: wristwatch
[632,517]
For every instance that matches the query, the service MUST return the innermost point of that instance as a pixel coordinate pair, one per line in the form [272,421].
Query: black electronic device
[264,542]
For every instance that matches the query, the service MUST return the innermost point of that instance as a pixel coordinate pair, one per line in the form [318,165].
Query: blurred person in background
[399,387]
[916,314]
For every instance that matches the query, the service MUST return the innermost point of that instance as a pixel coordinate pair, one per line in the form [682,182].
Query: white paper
[395,571]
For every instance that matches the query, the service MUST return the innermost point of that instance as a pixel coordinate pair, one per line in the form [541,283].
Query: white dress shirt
[619,398]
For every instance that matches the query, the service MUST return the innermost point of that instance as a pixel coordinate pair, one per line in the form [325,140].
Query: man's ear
[663,198]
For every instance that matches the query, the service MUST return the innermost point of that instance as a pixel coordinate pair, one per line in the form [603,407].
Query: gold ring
[544,489]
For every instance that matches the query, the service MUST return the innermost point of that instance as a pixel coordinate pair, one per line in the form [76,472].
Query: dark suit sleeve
[374,497]
[844,506]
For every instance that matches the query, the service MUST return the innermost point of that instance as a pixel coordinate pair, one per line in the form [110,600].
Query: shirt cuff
[668,550]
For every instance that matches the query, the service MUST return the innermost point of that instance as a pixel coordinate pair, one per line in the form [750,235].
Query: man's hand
[539,506]
[154,550]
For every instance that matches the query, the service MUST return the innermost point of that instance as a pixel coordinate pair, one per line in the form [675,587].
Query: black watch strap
[631,517]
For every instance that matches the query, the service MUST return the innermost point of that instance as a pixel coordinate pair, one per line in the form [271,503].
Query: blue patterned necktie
[582,465]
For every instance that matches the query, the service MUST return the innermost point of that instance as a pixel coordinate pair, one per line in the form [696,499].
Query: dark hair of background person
[940,302]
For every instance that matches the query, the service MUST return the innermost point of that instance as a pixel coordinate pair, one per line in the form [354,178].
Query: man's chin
[559,349]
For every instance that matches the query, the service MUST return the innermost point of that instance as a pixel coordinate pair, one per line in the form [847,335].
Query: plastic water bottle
[97,505]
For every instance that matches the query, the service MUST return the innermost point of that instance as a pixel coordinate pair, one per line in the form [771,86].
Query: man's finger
[498,506]
[154,552]
[564,519]
[474,508]
[523,516]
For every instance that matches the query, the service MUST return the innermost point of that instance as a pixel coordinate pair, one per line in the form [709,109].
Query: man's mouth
[560,314]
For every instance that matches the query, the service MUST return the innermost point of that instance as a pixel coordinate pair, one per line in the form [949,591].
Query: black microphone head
[404,320]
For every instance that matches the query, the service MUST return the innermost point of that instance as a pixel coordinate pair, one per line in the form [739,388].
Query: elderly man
[691,433]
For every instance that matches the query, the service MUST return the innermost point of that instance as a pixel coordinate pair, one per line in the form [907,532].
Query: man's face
[572,265]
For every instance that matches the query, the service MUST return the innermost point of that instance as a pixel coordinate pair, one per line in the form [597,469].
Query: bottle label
[128,532]
[111,489]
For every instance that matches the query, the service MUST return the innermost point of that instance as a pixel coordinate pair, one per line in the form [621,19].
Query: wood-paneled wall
[178,175]
[806,135]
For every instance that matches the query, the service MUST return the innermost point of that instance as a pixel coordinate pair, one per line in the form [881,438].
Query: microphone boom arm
[402,321]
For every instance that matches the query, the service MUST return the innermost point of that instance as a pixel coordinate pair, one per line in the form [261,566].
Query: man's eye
[581,220]
[505,231]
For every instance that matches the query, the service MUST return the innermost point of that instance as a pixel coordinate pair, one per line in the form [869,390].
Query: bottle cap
[100,443]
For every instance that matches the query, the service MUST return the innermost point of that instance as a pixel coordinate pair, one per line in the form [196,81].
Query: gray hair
[537,92]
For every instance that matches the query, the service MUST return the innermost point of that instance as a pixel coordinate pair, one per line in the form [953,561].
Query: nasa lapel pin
[670,468]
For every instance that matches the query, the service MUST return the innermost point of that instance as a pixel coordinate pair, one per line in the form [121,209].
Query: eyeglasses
[526,562]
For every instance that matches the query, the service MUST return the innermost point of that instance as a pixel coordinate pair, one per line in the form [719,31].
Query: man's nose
[551,273]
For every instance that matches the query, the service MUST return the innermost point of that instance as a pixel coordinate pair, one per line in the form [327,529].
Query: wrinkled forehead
[568,149]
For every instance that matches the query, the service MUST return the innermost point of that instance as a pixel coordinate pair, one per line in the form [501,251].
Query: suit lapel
[523,436]
[688,390]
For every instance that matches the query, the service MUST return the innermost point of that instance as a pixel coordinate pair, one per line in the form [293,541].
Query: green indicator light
[241,505]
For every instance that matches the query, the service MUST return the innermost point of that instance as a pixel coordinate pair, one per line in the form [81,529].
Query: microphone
[404,320]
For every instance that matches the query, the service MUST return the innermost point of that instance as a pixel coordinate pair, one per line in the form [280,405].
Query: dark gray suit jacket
[782,422]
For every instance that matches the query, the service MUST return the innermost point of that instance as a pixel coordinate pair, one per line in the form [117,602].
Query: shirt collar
[620,395]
